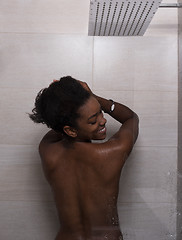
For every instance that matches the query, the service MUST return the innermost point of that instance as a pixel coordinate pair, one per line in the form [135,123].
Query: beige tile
[34,60]
[21,175]
[68,17]
[158,118]
[18,154]
[16,127]
[45,16]
[156,64]
[150,176]
[28,220]
[113,63]
[146,63]
[164,23]
[156,221]
[123,97]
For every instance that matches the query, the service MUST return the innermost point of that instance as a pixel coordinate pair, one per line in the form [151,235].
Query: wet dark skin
[84,176]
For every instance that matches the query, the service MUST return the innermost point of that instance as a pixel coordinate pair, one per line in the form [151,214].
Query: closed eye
[92,123]
[95,116]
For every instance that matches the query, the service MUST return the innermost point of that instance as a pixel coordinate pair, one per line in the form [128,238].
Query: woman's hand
[85,86]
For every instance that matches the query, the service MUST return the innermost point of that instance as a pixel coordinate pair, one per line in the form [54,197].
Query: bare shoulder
[51,137]
[50,149]
[107,157]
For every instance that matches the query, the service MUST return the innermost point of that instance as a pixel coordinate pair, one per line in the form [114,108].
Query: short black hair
[57,105]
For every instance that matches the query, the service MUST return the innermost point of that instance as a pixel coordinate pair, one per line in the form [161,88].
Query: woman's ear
[70,131]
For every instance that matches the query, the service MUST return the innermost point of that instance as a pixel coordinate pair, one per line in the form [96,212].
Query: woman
[84,176]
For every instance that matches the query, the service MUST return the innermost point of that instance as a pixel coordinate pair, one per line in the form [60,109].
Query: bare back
[85,182]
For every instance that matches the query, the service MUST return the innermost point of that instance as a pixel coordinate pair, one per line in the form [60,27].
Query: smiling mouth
[103,130]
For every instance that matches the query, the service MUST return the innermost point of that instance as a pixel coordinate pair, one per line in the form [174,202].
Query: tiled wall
[179,186]
[44,40]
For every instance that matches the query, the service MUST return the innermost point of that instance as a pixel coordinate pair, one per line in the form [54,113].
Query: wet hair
[57,106]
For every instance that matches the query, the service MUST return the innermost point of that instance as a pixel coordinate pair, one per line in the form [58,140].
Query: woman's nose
[103,121]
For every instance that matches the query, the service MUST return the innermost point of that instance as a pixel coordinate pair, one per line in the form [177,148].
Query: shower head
[121,17]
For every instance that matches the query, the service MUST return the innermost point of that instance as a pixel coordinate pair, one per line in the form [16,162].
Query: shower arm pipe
[171,5]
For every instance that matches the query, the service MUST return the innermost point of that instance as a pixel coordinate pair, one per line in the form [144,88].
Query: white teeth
[102,130]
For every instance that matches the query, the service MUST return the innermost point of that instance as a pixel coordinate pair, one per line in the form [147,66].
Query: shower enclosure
[45,40]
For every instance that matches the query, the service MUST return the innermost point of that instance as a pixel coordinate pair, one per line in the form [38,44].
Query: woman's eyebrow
[95,115]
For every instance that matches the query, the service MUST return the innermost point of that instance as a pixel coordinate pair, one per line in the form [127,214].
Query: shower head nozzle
[121,17]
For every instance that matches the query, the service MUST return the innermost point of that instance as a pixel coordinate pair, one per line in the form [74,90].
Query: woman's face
[91,124]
